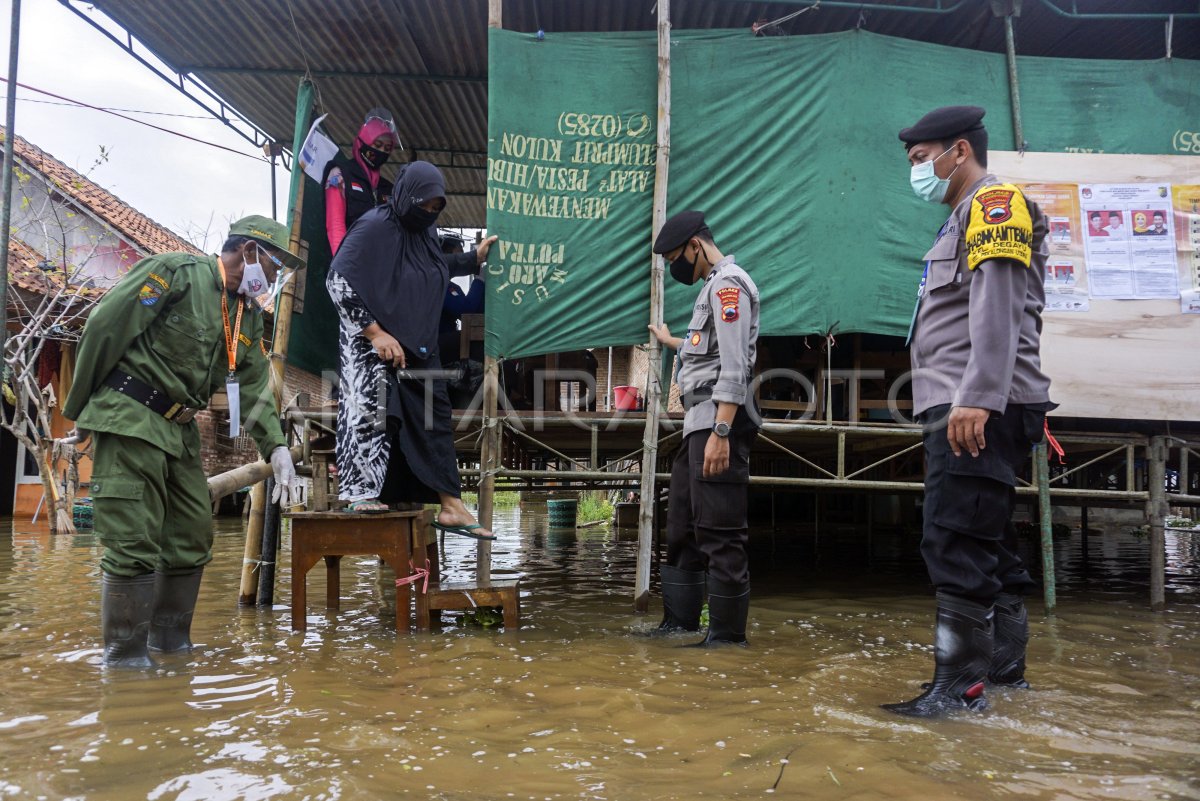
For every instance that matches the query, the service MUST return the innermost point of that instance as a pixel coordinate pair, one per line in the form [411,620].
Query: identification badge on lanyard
[235,405]
[231,342]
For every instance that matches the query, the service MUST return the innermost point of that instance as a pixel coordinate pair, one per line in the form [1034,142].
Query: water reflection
[573,705]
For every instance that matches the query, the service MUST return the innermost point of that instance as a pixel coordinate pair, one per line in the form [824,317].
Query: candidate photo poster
[1186,218]
[1065,278]
[1128,240]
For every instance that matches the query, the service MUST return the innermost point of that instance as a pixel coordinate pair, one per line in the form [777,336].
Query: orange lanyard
[231,337]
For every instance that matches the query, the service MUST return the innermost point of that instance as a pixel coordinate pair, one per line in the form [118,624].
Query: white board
[1129,359]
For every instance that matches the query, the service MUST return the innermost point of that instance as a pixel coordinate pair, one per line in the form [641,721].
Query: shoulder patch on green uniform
[1000,226]
[151,291]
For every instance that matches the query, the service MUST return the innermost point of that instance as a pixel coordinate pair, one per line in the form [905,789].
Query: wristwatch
[721,429]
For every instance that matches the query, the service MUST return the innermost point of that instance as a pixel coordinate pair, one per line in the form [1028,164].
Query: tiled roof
[133,226]
[25,273]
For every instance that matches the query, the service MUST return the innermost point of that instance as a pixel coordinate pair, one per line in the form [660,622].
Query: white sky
[178,183]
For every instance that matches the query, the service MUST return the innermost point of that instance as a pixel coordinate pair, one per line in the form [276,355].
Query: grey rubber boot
[683,599]
[1011,636]
[174,604]
[125,606]
[962,654]
[728,608]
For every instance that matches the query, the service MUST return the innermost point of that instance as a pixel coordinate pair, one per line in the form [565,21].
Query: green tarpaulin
[788,143]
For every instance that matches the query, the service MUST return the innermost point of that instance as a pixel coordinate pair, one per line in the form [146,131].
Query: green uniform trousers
[151,510]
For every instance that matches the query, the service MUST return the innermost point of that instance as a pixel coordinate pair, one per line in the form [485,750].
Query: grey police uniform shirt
[977,333]
[720,342]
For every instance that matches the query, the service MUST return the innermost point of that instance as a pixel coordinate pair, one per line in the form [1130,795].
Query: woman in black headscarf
[387,281]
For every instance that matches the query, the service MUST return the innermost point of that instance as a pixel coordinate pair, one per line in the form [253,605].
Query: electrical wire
[132,119]
[125,110]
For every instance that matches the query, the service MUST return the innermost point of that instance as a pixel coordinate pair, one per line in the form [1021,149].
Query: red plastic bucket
[626,399]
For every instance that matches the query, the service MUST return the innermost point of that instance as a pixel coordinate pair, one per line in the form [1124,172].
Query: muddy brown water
[573,706]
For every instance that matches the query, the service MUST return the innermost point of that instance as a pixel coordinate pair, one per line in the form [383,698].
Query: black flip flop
[464,531]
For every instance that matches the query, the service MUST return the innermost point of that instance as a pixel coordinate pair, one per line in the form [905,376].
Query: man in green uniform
[176,329]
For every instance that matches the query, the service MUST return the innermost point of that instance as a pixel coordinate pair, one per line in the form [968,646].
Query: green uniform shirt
[161,323]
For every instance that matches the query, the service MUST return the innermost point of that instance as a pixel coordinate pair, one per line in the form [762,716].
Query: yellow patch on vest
[1000,226]
[245,340]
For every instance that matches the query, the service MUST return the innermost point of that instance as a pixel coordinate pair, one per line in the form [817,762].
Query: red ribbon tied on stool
[1054,446]
[418,574]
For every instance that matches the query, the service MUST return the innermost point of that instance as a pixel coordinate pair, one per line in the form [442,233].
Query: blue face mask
[926,183]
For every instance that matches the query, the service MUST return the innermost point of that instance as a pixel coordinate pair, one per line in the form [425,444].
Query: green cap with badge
[265,230]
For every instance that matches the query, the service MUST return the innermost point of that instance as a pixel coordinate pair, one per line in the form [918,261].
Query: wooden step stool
[468,595]
[392,536]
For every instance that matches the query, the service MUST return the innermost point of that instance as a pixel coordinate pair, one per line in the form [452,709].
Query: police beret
[943,123]
[678,229]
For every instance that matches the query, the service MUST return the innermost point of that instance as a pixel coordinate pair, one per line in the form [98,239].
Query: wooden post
[641,590]
[1041,466]
[489,446]
[489,460]
[249,591]
[1156,513]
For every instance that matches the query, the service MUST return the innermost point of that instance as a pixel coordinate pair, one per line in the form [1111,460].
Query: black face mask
[417,218]
[682,270]
[374,157]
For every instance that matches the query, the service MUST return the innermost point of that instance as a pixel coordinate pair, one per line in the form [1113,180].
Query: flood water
[573,706]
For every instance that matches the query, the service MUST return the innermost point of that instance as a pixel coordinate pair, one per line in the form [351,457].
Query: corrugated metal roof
[427,60]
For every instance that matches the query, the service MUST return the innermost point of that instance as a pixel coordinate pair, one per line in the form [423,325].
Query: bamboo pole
[489,446]
[489,461]
[252,553]
[1041,466]
[1156,513]
[279,345]
[233,480]
[641,590]
[1014,85]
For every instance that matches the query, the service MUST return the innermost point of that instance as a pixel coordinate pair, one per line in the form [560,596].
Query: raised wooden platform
[392,536]
[469,595]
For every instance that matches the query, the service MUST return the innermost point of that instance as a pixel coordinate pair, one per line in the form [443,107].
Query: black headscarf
[400,273]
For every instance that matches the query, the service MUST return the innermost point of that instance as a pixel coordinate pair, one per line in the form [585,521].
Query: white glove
[287,484]
[76,436]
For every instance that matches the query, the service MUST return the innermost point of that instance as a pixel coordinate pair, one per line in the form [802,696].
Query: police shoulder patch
[1000,226]
[729,303]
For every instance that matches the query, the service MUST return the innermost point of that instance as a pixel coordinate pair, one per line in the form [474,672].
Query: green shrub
[500,500]
[593,506]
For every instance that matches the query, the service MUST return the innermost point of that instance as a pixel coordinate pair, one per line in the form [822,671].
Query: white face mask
[926,183]
[254,277]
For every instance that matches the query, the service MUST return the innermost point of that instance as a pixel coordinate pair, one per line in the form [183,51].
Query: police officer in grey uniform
[706,518]
[981,396]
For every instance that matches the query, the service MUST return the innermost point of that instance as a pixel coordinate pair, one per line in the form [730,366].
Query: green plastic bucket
[562,512]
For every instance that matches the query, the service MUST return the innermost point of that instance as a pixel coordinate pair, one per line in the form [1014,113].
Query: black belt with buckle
[153,399]
[698,395]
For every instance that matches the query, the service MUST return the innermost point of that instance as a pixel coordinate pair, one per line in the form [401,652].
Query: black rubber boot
[962,654]
[683,598]
[125,605]
[174,604]
[728,608]
[1010,635]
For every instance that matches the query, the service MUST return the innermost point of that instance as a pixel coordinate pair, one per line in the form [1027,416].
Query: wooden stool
[392,536]
[468,595]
